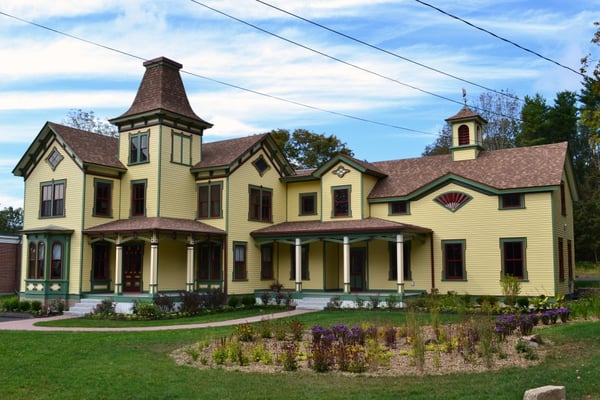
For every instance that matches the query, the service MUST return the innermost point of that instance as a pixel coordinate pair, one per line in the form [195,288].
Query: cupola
[467,134]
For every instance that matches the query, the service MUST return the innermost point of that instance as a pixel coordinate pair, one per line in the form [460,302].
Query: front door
[133,259]
[357,269]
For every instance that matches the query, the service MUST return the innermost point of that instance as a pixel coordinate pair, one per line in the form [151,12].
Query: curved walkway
[28,324]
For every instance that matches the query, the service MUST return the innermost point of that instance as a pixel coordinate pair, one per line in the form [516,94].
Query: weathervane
[464,95]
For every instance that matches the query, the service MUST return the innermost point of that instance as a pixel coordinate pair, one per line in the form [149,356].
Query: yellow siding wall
[334,273]
[239,227]
[368,182]
[293,200]
[563,228]
[219,223]
[69,171]
[353,179]
[481,224]
[146,171]
[172,265]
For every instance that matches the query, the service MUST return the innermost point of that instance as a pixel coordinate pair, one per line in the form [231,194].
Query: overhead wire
[391,53]
[501,38]
[128,54]
[345,62]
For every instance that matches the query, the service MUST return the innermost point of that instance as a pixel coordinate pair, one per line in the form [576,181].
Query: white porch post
[189,281]
[298,265]
[118,266]
[346,264]
[153,264]
[400,263]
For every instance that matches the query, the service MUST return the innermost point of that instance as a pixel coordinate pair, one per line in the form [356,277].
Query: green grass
[587,269]
[127,365]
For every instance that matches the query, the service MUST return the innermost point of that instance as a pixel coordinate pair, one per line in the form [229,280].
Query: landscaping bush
[164,302]
[233,301]
[36,306]
[24,306]
[214,299]
[147,310]
[248,300]
[105,308]
[11,304]
[191,302]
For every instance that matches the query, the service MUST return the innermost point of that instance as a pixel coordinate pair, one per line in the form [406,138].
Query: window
[563,202]
[570,259]
[138,148]
[209,200]
[308,203]
[56,266]
[463,135]
[454,260]
[102,198]
[261,165]
[209,261]
[181,148]
[260,204]
[34,271]
[53,199]
[511,200]
[138,198]
[453,200]
[304,269]
[54,158]
[100,260]
[239,261]
[513,257]
[266,261]
[399,207]
[393,273]
[561,260]
[341,202]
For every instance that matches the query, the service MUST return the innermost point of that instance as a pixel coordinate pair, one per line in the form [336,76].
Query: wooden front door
[133,260]
[357,269]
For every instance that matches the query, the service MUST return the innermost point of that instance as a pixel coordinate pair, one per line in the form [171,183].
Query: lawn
[110,365]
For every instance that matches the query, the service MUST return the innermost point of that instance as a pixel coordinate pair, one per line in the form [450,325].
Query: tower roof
[160,91]
[464,114]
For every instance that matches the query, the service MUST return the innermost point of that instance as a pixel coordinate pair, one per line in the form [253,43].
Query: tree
[87,121]
[534,125]
[442,143]
[11,220]
[305,149]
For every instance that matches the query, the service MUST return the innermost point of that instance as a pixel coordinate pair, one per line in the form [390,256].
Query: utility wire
[500,37]
[387,51]
[344,62]
[56,31]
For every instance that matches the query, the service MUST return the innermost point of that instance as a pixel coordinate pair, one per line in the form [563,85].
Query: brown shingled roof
[465,113]
[162,89]
[154,224]
[367,225]
[224,152]
[91,148]
[515,168]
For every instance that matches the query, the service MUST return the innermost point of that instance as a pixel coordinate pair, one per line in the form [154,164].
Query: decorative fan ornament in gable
[453,200]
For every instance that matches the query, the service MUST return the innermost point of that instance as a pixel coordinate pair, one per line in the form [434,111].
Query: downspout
[18,252]
[432,261]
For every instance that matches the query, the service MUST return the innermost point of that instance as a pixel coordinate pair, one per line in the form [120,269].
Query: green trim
[463,243]
[158,189]
[94,211]
[233,246]
[323,169]
[342,187]
[260,190]
[131,184]
[301,197]
[406,205]
[53,183]
[209,186]
[81,236]
[523,241]
[501,201]
[138,134]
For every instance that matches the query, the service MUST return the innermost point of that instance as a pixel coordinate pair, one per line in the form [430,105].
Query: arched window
[31,274]
[463,135]
[41,249]
[57,261]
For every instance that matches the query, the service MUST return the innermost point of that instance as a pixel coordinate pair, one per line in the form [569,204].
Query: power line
[500,37]
[56,31]
[387,51]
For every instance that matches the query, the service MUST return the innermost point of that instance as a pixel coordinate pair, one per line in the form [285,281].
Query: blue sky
[44,74]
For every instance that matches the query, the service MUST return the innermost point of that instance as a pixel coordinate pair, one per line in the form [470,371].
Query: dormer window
[463,135]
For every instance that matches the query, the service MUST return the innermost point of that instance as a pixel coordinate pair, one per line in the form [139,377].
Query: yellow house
[157,210]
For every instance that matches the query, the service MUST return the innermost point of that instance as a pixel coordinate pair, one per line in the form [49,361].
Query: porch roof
[154,224]
[316,228]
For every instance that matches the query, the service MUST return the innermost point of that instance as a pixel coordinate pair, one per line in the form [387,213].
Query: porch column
[298,265]
[400,264]
[189,281]
[118,267]
[346,264]
[153,265]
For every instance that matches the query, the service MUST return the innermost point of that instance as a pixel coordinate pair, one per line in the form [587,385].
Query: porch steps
[84,307]
[312,303]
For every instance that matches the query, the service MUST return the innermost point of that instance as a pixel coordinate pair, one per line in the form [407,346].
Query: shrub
[248,300]
[375,301]
[511,287]
[57,306]
[191,302]
[290,362]
[234,301]
[105,308]
[164,302]
[11,304]
[213,299]
[36,306]
[265,297]
[297,329]
[24,306]
[289,299]
[245,332]
[392,301]
[335,303]
[147,310]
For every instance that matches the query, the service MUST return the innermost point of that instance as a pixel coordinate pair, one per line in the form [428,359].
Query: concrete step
[312,303]
[84,307]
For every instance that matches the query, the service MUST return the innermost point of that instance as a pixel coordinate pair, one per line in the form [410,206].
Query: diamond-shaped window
[261,165]
[54,158]
[453,200]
